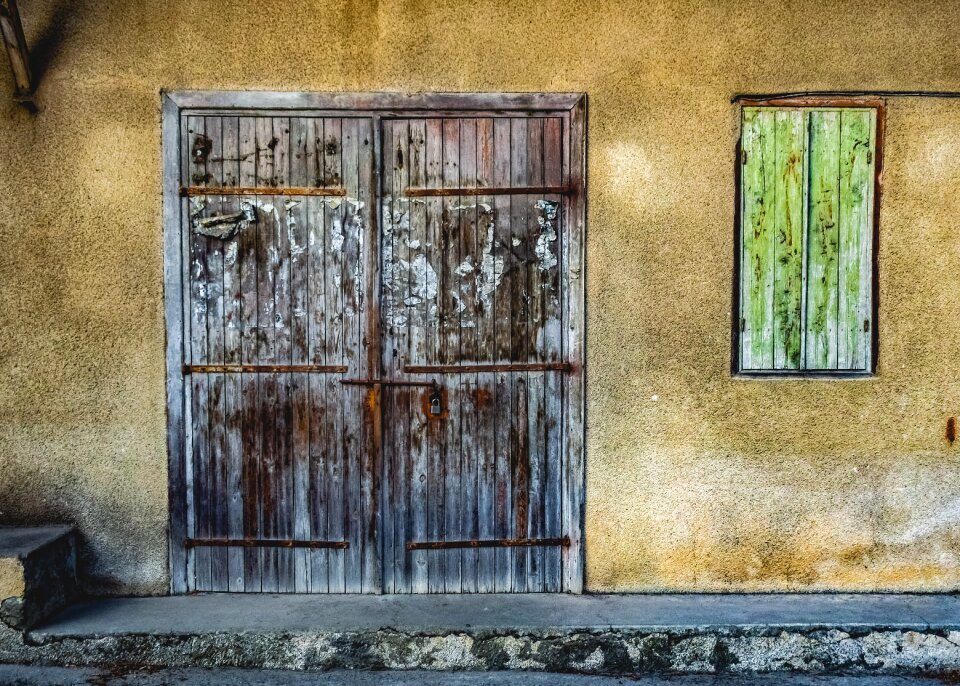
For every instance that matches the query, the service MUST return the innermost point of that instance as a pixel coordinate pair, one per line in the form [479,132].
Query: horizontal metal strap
[473,368]
[190,191]
[263,543]
[490,543]
[514,190]
[386,382]
[263,368]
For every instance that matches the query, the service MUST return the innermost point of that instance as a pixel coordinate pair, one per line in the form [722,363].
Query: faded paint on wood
[807,184]
[297,482]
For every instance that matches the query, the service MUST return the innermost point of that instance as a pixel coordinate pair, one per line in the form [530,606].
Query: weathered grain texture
[790,130]
[466,389]
[574,469]
[498,346]
[216,383]
[175,213]
[824,240]
[322,329]
[758,236]
[516,274]
[296,221]
[233,389]
[11,30]
[199,283]
[480,413]
[447,260]
[250,383]
[855,238]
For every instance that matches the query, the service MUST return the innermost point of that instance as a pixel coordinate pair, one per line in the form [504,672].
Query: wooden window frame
[175,104]
[776,101]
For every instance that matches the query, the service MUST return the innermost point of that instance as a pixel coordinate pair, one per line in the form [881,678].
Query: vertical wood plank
[434,439]
[175,275]
[337,335]
[500,348]
[553,230]
[575,165]
[199,282]
[250,383]
[758,236]
[480,427]
[368,228]
[319,411]
[216,383]
[296,225]
[824,238]
[468,390]
[448,254]
[233,389]
[520,349]
[271,420]
[539,249]
[788,239]
[392,469]
[855,237]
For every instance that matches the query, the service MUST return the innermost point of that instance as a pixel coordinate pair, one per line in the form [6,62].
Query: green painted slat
[823,240]
[757,230]
[855,235]
[788,239]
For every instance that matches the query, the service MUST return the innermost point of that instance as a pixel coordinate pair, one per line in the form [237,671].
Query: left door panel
[280,471]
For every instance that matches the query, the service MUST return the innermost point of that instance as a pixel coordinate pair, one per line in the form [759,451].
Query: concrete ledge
[612,634]
[38,573]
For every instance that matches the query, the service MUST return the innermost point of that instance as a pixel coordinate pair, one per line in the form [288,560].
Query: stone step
[588,634]
[38,573]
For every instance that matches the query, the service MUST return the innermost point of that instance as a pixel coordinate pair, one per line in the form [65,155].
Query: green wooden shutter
[806,248]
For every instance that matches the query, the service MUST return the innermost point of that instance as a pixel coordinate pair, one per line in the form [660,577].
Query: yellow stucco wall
[696,480]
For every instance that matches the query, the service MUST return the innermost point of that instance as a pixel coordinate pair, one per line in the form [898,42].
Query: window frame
[808,101]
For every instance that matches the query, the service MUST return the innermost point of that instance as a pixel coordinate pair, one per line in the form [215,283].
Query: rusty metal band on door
[381,351]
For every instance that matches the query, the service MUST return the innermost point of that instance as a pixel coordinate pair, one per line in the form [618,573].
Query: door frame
[178,104]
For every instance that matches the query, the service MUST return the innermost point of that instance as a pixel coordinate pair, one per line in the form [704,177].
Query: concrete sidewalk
[608,634]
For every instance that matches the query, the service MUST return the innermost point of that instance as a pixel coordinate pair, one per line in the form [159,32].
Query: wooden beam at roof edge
[13,40]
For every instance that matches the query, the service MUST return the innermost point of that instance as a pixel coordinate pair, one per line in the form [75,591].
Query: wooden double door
[375,342]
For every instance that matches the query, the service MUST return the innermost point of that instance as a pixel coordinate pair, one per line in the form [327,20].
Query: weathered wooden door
[375,345]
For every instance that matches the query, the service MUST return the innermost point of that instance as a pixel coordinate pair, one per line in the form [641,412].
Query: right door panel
[473,247]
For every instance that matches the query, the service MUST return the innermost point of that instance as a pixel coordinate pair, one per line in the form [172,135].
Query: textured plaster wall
[696,480]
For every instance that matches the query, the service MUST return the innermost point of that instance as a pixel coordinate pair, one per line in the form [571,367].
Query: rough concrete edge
[773,649]
[49,585]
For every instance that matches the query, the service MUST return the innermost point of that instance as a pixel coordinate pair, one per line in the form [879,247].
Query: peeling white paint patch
[548,234]
[466,267]
[230,254]
[413,245]
[484,207]
[491,270]
[516,242]
[425,278]
[336,235]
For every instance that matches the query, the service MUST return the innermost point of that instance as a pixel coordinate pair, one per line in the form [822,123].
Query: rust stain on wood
[263,543]
[501,190]
[309,191]
[444,406]
[264,368]
[489,543]
[475,368]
